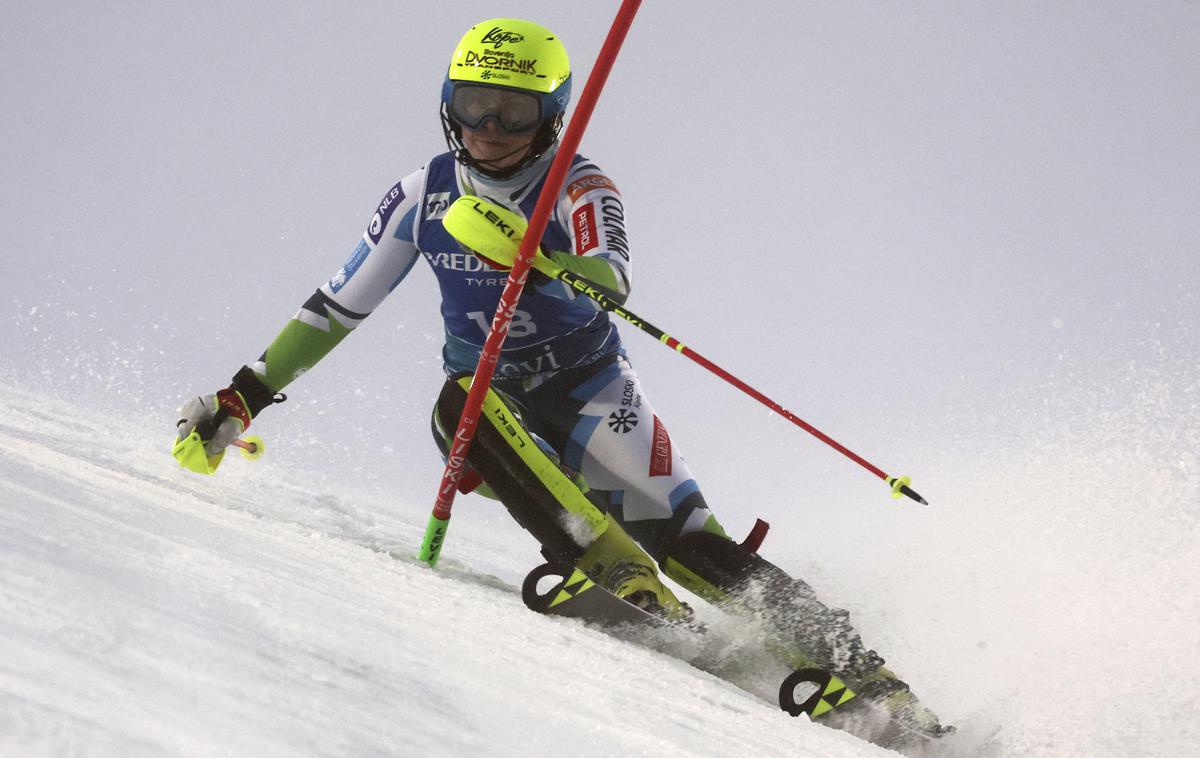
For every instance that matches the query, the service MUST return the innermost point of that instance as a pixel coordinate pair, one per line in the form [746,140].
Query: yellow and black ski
[572,594]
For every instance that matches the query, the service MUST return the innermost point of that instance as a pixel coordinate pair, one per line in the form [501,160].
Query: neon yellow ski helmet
[508,54]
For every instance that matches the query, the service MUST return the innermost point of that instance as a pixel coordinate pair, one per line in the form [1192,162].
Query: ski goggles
[513,110]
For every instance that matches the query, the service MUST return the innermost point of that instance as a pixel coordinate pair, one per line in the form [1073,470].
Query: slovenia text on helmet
[510,71]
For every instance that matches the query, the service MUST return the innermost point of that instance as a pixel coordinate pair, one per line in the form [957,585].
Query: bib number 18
[521,324]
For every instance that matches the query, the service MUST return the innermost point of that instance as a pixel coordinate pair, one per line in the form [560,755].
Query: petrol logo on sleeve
[660,451]
[585,184]
[583,222]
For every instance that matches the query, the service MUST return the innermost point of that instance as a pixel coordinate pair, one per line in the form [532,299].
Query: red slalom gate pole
[460,444]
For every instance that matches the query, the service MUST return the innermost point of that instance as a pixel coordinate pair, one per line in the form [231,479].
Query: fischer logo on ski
[577,583]
[830,693]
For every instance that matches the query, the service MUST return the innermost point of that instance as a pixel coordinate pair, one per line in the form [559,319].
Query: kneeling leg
[548,503]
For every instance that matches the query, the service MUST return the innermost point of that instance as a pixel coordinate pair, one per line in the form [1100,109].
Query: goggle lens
[514,111]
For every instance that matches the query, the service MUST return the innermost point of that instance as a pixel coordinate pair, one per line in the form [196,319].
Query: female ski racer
[567,441]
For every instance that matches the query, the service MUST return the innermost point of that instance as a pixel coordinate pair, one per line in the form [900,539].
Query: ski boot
[551,502]
[614,561]
[910,723]
[805,633]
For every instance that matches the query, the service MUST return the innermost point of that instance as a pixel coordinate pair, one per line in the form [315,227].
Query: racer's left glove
[208,424]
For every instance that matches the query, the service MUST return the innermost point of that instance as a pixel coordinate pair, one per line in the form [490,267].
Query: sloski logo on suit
[622,421]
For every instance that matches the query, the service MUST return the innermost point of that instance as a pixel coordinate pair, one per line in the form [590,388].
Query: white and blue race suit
[562,364]
[564,372]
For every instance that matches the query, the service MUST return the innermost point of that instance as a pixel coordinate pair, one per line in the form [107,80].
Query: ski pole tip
[899,485]
[914,495]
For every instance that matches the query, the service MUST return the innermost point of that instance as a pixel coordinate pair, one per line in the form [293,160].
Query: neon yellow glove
[208,424]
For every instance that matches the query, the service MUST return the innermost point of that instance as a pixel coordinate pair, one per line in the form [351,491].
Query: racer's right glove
[493,232]
[489,230]
[208,424]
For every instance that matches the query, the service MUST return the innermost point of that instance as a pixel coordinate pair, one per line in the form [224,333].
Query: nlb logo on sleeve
[383,213]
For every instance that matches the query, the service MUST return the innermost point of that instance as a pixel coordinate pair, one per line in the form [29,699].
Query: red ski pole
[898,484]
[460,444]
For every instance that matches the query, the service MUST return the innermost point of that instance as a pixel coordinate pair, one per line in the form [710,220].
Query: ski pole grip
[206,429]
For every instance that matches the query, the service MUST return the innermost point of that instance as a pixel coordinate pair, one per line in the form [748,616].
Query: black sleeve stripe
[321,304]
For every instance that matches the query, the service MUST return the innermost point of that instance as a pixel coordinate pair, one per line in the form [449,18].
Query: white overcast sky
[910,222]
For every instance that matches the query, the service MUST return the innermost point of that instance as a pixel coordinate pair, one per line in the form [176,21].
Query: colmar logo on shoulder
[612,216]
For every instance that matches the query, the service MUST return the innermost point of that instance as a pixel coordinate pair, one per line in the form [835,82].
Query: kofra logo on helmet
[497,37]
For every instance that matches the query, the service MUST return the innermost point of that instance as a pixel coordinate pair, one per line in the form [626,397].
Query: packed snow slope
[962,238]
[267,611]
[144,611]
